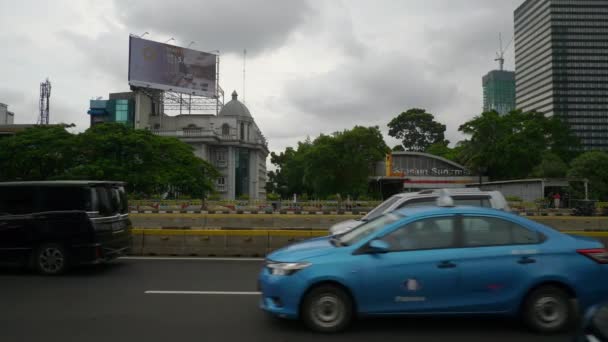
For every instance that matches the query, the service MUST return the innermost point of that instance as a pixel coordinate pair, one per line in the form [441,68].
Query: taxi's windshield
[368,228]
[380,209]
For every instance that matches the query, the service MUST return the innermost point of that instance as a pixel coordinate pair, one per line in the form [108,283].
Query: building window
[221,181]
[225,129]
[242,131]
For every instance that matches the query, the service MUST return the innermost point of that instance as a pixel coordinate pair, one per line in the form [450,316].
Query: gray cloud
[110,50]
[316,66]
[229,26]
[372,90]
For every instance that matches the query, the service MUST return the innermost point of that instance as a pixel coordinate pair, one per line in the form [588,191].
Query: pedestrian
[556,198]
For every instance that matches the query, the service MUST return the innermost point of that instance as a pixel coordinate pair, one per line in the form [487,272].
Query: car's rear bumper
[97,253]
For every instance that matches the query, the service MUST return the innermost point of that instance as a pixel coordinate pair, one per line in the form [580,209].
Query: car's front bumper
[281,295]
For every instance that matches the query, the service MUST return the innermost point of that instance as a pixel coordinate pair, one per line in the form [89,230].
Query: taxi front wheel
[327,309]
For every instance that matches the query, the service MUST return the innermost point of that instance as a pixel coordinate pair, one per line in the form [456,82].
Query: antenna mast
[45,102]
[244,66]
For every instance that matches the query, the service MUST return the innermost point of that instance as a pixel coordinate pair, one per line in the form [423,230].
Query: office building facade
[119,110]
[561,62]
[499,91]
[6,117]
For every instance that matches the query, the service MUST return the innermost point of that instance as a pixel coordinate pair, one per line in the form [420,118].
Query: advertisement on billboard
[171,68]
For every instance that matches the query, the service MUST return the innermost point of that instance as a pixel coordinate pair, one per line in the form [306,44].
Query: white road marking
[192,258]
[236,293]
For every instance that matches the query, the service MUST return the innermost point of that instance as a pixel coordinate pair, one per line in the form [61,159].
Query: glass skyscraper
[499,91]
[561,62]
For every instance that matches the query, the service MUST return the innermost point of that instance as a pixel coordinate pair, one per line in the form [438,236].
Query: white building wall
[206,143]
[253,174]
[5,118]
[231,180]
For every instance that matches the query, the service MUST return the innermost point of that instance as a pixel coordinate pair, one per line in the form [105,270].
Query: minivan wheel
[327,309]
[548,310]
[51,259]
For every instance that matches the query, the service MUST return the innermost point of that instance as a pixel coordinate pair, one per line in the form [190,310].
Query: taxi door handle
[446,264]
[526,260]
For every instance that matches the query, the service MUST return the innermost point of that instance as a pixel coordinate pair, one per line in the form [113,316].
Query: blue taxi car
[437,260]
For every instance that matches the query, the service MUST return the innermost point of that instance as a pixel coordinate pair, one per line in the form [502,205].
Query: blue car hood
[303,250]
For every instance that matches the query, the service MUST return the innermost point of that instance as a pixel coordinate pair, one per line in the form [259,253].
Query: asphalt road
[109,303]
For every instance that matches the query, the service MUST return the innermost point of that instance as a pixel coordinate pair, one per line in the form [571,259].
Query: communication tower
[45,101]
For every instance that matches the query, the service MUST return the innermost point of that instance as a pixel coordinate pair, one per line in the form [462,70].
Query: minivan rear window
[124,204]
[105,204]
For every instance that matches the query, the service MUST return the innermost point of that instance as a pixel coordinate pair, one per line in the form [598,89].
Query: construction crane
[500,55]
[45,101]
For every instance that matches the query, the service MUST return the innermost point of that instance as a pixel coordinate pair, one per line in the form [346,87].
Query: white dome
[234,107]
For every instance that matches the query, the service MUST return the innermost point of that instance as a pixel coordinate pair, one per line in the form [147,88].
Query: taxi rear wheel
[327,309]
[548,310]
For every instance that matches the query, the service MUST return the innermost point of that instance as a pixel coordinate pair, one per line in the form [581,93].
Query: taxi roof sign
[444,199]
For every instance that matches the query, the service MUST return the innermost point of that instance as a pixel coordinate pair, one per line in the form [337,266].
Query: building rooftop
[235,107]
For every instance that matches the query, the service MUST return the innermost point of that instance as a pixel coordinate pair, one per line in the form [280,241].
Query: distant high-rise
[499,91]
[561,62]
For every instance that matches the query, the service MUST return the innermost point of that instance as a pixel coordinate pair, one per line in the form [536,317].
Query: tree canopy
[510,146]
[150,164]
[417,129]
[442,149]
[594,167]
[339,163]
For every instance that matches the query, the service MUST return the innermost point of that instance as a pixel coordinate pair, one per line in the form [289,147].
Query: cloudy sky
[313,66]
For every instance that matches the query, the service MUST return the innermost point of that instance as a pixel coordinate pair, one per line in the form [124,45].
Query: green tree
[331,164]
[594,167]
[511,146]
[149,164]
[37,153]
[442,149]
[551,166]
[398,148]
[417,129]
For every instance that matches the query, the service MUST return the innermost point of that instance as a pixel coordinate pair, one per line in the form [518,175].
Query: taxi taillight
[599,255]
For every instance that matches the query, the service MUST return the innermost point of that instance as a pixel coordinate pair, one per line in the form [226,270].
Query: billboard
[171,68]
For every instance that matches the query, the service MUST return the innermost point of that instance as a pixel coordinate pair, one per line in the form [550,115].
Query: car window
[104,201]
[124,205]
[368,228]
[428,233]
[418,202]
[115,200]
[475,201]
[380,209]
[60,198]
[490,231]
[17,200]
[483,202]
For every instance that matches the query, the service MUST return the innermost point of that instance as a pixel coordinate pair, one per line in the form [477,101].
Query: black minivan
[52,225]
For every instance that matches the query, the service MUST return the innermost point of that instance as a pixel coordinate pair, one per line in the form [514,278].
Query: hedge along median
[247,243]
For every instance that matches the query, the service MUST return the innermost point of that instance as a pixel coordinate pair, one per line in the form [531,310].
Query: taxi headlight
[286,268]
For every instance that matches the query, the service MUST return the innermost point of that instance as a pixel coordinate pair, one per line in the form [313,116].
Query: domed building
[231,141]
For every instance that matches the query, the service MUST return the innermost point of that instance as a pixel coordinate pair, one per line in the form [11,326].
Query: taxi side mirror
[378,246]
